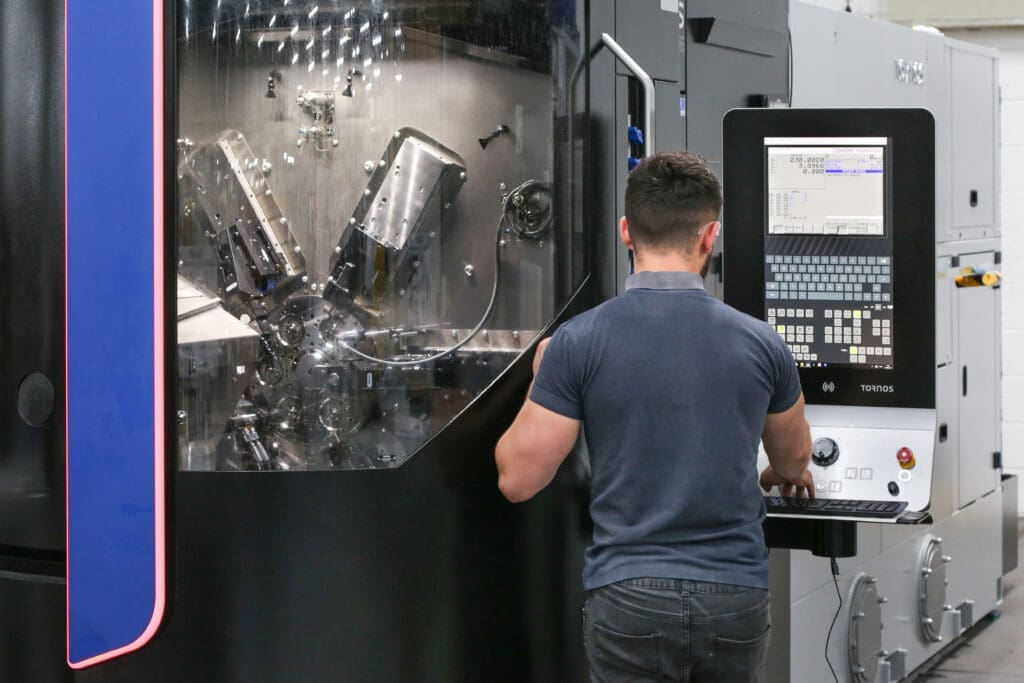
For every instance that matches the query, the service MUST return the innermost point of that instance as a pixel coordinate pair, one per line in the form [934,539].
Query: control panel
[872,454]
[828,237]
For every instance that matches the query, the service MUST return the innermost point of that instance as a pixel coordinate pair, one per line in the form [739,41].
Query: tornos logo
[828,387]
[878,388]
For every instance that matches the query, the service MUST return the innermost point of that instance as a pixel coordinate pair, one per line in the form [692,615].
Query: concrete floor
[995,651]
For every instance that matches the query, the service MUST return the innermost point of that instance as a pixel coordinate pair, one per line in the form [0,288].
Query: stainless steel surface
[398,207]
[650,95]
[226,197]
[410,192]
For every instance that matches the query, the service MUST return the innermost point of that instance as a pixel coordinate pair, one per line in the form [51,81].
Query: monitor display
[828,255]
[827,188]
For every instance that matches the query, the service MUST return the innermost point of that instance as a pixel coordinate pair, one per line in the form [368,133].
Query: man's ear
[707,239]
[624,233]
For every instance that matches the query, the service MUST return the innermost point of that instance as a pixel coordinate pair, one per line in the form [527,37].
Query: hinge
[716,265]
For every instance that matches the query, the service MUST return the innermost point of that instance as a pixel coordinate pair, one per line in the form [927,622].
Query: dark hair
[669,196]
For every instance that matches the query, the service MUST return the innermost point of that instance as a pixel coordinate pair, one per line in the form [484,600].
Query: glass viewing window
[374,221]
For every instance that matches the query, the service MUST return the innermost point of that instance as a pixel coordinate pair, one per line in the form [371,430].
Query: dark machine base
[823,537]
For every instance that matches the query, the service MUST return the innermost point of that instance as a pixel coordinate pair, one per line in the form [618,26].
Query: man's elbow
[508,484]
[514,491]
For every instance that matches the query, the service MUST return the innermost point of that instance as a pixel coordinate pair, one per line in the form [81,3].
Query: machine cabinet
[975,111]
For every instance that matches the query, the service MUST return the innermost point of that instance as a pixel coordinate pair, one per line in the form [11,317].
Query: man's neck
[665,264]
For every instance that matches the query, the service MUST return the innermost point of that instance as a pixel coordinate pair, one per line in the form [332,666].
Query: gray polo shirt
[673,387]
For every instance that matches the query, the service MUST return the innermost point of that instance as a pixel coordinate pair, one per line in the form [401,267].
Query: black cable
[835,580]
[498,243]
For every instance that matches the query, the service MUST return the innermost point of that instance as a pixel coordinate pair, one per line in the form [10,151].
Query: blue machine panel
[115,449]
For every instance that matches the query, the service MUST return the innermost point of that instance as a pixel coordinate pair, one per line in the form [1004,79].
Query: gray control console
[878,454]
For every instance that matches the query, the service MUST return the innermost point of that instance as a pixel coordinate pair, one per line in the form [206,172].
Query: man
[674,389]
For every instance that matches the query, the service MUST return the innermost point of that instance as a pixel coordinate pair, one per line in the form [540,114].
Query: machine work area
[273,274]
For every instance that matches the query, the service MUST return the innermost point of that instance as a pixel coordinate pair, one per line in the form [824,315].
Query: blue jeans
[676,630]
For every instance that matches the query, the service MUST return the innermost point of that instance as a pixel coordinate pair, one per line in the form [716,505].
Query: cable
[835,580]
[475,331]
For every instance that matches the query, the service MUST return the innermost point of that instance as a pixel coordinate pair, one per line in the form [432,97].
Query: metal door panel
[978,345]
[974,121]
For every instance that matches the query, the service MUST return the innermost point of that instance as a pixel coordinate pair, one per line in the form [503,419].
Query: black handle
[965,380]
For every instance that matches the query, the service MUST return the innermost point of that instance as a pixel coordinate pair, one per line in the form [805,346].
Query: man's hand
[540,355]
[801,489]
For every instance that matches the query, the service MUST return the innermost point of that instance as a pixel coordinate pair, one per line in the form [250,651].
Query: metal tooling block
[407,196]
[260,261]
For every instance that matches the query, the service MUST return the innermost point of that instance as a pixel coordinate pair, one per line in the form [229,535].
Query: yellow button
[856,314]
[781,329]
[853,350]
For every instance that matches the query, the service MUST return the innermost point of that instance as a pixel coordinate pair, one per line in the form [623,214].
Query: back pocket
[740,660]
[619,653]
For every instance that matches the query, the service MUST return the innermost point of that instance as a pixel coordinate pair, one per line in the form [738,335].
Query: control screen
[828,189]
[828,253]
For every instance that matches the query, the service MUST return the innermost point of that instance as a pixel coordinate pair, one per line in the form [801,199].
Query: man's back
[672,387]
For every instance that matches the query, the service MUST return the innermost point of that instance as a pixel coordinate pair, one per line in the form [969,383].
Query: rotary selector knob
[824,452]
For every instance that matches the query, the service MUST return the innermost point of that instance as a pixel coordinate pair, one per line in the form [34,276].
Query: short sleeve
[787,378]
[557,386]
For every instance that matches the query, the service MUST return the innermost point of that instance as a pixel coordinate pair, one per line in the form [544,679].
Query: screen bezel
[910,383]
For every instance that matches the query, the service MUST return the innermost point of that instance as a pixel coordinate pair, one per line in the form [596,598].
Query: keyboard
[865,279]
[834,507]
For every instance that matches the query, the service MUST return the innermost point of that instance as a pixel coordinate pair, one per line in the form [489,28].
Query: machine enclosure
[297,576]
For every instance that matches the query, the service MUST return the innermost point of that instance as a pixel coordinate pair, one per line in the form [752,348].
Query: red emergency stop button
[905,456]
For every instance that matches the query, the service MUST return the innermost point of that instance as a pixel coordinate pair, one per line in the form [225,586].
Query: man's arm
[531,451]
[787,441]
